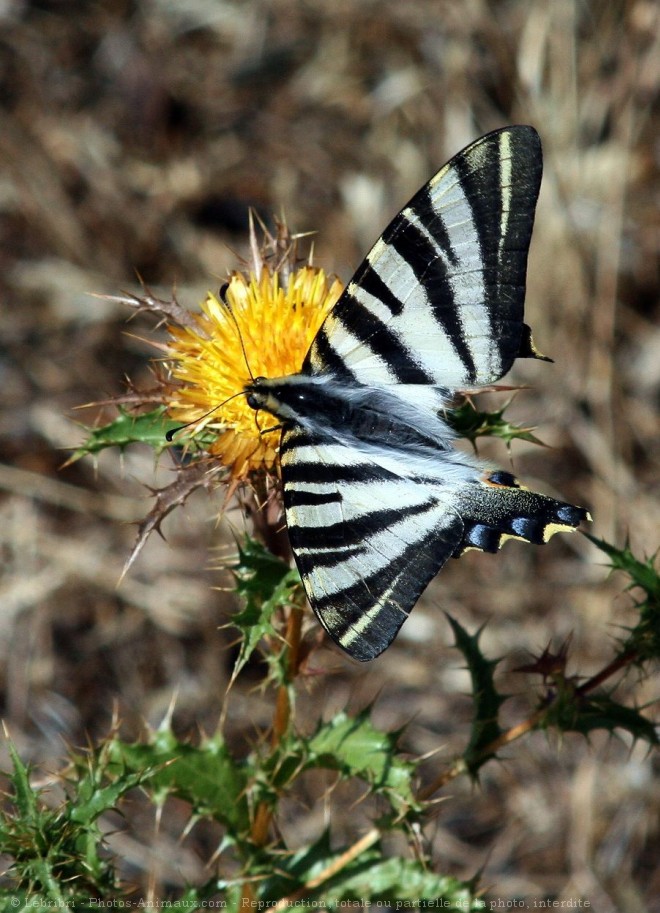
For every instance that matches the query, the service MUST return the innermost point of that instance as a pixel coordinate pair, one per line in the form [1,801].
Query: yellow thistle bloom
[263,330]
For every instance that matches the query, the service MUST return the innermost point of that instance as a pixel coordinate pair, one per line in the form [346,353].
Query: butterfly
[376,496]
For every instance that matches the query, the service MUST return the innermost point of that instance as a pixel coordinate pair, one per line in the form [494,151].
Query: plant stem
[282,714]
[335,866]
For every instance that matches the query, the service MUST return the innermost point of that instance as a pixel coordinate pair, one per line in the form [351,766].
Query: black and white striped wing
[370,529]
[439,299]
[367,540]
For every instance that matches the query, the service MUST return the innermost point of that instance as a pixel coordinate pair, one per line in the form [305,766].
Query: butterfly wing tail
[497,508]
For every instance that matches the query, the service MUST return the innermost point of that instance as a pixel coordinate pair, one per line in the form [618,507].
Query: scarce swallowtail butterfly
[376,496]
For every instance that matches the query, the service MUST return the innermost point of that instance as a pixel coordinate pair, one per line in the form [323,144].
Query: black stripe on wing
[302,497]
[434,223]
[370,330]
[501,177]
[324,473]
[421,255]
[349,531]
[464,240]
[330,558]
[365,617]
[322,357]
[371,282]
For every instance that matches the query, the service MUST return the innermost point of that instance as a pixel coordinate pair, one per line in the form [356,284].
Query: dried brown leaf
[189,479]
[169,311]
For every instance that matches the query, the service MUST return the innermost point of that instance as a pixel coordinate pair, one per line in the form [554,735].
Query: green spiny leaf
[367,877]
[356,748]
[487,700]
[266,583]
[207,776]
[257,570]
[25,798]
[55,852]
[95,798]
[574,712]
[146,428]
[471,423]
[642,573]
[407,882]
[644,638]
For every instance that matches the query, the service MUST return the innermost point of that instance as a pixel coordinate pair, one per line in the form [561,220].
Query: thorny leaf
[573,712]
[265,583]
[165,310]
[644,638]
[549,664]
[355,747]
[365,878]
[471,423]
[487,699]
[642,573]
[194,477]
[206,776]
[148,428]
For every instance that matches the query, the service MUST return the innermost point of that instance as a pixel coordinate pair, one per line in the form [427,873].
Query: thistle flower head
[263,325]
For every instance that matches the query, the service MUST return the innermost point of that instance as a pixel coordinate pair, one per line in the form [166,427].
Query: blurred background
[134,138]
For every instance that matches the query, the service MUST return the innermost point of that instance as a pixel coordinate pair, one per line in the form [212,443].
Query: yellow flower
[260,329]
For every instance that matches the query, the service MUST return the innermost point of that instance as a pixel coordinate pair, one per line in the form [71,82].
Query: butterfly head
[293,398]
[266,393]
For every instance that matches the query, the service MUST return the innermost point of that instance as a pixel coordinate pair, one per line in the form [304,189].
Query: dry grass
[134,137]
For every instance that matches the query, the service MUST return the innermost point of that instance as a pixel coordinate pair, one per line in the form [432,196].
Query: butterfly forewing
[439,298]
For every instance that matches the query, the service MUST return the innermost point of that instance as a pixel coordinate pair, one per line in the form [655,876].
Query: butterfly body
[376,496]
[407,420]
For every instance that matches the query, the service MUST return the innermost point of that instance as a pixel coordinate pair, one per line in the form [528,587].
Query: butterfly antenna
[223,297]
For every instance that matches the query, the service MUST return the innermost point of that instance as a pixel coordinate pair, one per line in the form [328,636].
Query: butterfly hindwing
[439,299]
[367,539]
[371,527]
